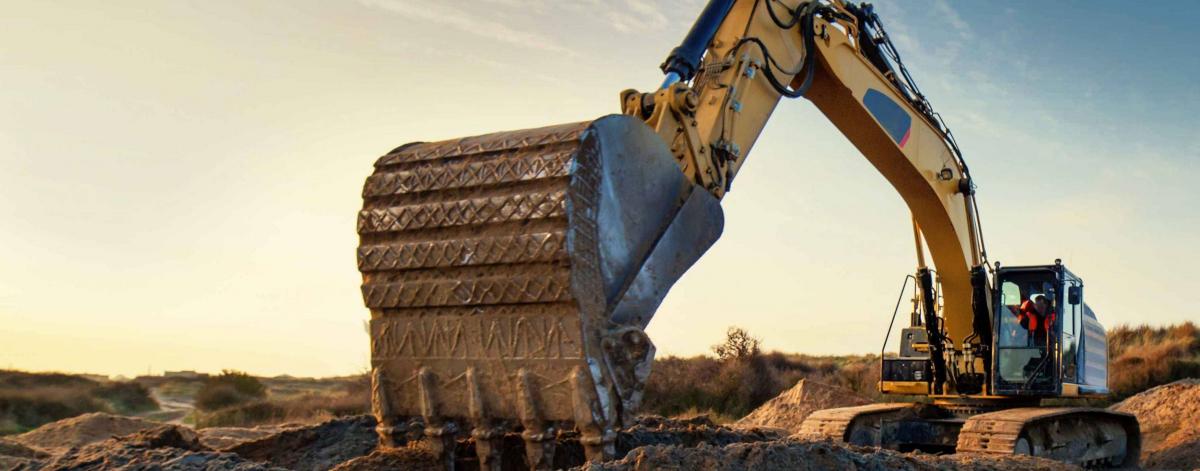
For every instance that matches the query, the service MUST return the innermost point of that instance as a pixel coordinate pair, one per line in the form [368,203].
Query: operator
[1036,315]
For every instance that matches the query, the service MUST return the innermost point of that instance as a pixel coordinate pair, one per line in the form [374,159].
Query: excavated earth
[796,455]
[350,444]
[789,409]
[1170,418]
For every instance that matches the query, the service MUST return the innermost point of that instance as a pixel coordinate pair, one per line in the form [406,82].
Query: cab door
[1072,329]
[1024,364]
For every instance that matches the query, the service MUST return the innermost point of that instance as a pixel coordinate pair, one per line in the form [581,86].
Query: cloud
[952,17]
[444,14]
[628,16]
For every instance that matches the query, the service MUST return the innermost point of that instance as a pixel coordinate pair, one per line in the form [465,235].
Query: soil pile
[810,455]
[167,447]
[413,458]
[14,449]
[318,447]
[789,409]
[15,456]
[568,452]
[58,437]
[222,438]
[1170,420]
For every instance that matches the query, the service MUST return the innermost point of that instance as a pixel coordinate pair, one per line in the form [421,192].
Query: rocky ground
[1169,416]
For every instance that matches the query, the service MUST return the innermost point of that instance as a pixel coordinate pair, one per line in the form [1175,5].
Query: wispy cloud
[637,15]
[628,16]
[464,20]
[954,19]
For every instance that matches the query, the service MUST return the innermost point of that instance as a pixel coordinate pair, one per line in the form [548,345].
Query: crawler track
[858,425]
[1084,436]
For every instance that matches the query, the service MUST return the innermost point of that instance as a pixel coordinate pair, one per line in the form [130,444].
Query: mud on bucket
[510,277]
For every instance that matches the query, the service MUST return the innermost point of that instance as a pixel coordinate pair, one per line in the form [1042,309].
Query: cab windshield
[1026,330]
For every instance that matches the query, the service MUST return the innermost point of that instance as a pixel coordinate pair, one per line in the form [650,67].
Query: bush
[230,388]
[738,345]
[126,397]
[26,409]
[1143,357]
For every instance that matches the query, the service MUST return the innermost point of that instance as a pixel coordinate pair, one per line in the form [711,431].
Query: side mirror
[1075,295]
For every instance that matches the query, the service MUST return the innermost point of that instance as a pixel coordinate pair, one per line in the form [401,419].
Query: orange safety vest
[1028,316]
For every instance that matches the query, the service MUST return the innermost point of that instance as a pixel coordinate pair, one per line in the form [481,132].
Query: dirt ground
[1170,417]
[168,447]
[789,409]
[789,454]
[57,437]
[1170,420]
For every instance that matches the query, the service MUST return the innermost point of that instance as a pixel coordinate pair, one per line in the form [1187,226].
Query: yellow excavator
[510,276]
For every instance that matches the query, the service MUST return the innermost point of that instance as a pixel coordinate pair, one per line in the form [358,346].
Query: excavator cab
[1041,346]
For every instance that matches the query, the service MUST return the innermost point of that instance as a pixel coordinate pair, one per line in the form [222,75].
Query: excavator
[510,276]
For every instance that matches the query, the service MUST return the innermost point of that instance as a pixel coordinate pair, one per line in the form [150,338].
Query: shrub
[25,409]
[228,389]
[738,345]
[126,397]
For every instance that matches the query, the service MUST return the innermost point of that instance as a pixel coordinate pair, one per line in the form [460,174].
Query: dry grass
[729,387]
[1143,357]
[28,400]
[292,404]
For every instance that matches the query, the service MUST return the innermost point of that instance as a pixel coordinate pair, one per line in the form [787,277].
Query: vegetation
[28,400]
[230,388]
[736,379]
[292,402]
[742,377]
[1143,357]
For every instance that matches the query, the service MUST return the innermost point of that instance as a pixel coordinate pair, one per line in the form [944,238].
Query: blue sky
[180,179]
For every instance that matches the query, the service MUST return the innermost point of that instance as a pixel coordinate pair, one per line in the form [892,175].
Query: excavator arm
[510,276]
[713,107]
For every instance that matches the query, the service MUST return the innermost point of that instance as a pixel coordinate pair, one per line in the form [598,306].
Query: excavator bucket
[510,276]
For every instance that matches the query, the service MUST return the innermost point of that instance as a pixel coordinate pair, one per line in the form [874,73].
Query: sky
[179,180]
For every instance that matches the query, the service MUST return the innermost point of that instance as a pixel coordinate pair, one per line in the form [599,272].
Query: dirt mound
[789,409]
[222,438]
[18,450]
[646,431]
[317,447]
[801,455]
[167,447]
[1170,420]
[57,437]
[649,430]
[416,459]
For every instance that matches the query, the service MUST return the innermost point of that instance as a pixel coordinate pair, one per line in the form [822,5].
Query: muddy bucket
[510,277]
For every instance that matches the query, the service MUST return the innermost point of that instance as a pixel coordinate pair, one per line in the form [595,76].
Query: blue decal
[890,115]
